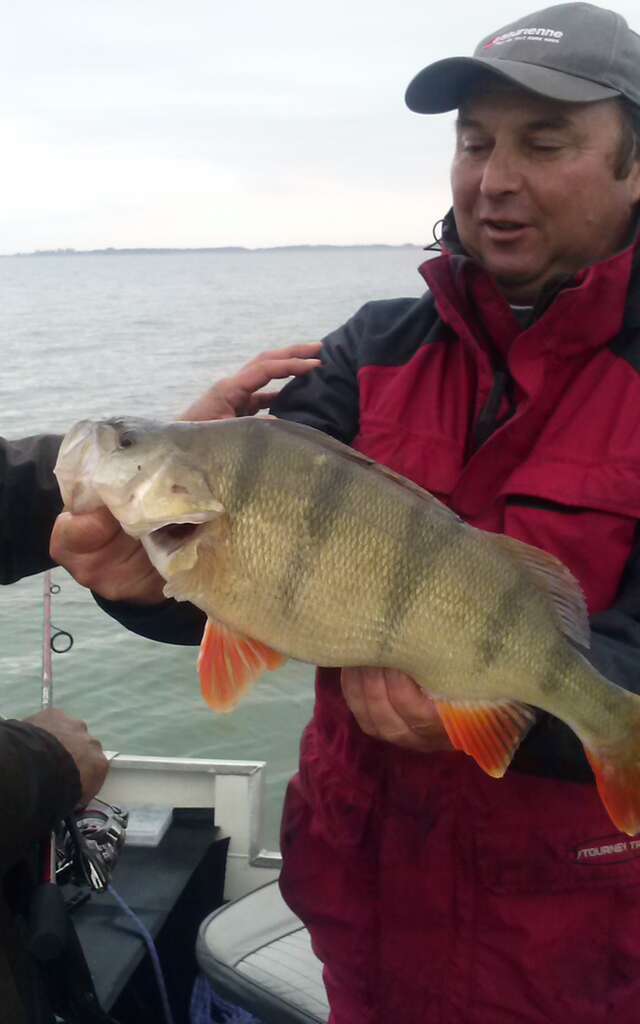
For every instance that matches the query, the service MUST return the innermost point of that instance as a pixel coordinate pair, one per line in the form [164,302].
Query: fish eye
[126,440]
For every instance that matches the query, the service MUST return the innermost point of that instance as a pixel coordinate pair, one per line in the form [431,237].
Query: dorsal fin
[552,576]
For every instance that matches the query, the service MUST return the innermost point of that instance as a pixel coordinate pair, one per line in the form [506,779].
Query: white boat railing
[234,788]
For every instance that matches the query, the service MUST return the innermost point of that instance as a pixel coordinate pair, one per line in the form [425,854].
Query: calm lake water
[102,335]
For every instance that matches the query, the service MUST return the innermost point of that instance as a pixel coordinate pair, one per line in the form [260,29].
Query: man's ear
[634,181]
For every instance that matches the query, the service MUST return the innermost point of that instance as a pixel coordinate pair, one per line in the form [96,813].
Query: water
[102,335]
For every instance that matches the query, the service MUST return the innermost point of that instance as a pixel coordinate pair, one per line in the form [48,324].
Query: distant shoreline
[222,249]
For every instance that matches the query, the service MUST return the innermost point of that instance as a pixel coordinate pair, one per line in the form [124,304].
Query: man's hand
[390,706]
[86,751]
[240,394]
[94,549]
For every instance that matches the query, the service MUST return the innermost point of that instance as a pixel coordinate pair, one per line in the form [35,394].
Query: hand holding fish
[94,549]
[241,394]
[390,706]
[100,555]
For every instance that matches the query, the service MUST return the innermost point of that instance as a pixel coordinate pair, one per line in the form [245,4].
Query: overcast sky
[226,122]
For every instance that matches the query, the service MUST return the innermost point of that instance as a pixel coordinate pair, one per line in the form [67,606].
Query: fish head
[146,475]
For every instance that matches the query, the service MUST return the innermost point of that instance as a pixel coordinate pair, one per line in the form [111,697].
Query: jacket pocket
[584,514]
[557,933]
[431,460]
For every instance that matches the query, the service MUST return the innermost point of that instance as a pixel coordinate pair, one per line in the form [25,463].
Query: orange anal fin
[488,732]
[618,783]
[229,663]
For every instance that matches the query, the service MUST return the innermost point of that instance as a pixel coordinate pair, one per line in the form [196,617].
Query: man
[510,390]
[49,764]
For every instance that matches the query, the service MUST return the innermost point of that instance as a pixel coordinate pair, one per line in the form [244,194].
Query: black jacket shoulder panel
[627,343]
[387,332]
[627,346]
[392,330]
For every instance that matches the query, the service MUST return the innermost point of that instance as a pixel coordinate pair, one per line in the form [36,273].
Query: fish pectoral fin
[229,663]
[488,731]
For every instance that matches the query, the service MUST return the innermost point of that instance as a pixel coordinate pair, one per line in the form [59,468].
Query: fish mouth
[172,536]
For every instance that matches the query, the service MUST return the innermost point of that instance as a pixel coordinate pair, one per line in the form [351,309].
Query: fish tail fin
[229,663]
[617,776]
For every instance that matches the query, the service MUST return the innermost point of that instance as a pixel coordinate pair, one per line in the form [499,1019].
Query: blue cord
[153,953]
[207,1006]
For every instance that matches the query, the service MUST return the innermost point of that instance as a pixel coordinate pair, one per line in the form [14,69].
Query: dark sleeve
[172,622]
[327,398]
[39,785]
[29,504]
[552,748]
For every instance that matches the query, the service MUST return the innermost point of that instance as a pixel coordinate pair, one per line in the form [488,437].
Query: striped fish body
[300,546]
[332,562]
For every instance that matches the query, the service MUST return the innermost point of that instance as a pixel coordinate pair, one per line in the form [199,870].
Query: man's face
[534,190]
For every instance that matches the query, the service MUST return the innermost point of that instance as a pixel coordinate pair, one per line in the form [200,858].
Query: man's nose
[501,173]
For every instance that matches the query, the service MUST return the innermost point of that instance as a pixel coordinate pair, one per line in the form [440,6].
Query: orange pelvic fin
[229,663]
[489,732]
[618,783]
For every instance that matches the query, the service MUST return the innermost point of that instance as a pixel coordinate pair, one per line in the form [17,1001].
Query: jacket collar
[574,313]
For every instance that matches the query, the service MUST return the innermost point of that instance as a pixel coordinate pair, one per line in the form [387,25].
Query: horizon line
[128,250]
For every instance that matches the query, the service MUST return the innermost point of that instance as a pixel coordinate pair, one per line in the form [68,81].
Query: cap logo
[535,35]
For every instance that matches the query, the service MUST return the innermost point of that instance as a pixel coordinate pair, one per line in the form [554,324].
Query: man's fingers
[236,395]
[365,691]
[257,375]
[389,724]
[389,705]
[262,400]
[303,350]
[410,700]
[81,534]
[351,681]
[114,565]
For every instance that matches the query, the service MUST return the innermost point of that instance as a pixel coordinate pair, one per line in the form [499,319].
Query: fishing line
[153,953]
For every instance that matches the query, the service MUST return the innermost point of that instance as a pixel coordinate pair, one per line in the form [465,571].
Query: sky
[187,123]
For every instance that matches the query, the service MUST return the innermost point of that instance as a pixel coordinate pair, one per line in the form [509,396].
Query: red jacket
[435,894]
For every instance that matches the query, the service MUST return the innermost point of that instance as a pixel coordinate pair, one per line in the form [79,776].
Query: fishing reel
[88,845]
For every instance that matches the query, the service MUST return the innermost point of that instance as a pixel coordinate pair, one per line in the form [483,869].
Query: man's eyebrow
[552,123]
[466,122]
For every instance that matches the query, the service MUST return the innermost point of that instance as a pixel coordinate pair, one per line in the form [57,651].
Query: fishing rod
[65,853]
[48,935]
[94,835]
[49,641]
[48,853]
[83,851]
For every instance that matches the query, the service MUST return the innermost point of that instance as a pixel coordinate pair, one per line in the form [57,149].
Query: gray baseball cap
[577,53]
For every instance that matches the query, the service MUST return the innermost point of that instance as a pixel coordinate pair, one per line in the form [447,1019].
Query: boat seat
[257,954]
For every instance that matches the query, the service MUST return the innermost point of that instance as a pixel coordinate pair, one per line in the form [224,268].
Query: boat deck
[171,888]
